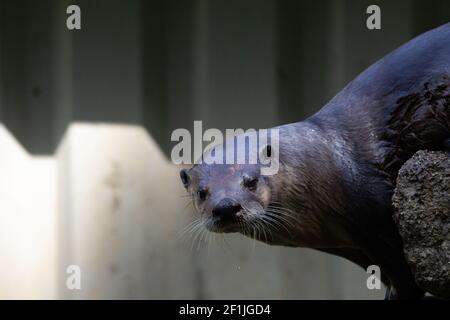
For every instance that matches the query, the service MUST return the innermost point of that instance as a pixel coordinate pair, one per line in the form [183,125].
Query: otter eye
[251,183]
[202,193]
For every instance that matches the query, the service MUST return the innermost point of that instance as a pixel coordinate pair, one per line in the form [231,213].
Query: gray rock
[422,214]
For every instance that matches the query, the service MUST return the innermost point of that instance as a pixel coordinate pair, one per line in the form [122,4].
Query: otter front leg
[447,145]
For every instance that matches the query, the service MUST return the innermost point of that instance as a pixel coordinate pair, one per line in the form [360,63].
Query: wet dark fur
[399,105]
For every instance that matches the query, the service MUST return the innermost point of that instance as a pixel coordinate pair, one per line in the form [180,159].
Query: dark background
[163,64]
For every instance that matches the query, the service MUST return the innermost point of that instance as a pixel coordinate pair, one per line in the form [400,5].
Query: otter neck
[310,185]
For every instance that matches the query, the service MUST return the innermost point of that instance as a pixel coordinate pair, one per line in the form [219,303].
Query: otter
[338,168]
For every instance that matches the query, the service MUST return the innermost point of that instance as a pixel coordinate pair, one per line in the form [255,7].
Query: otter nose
[226,208]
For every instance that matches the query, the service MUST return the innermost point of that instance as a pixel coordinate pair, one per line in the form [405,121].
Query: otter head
[229,197]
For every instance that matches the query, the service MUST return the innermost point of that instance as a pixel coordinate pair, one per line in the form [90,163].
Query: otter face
[230,198]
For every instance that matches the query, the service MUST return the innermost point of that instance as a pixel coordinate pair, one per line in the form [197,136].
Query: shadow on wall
[163,64]
[109,202]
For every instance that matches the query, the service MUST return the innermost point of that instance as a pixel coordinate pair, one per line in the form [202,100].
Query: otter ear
[185,179]
[266,152]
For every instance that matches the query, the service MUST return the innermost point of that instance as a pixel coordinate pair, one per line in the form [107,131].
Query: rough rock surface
[422,203]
